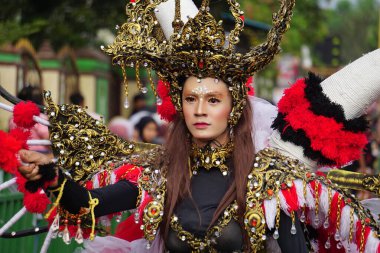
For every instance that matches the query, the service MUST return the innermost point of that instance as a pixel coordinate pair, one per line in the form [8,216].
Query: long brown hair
[178,172]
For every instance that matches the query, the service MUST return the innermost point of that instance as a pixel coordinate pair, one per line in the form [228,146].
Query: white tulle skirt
[111,244]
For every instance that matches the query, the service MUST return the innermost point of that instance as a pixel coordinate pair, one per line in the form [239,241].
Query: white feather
[310,201]
[299,188]
[95,181]
[270,212]
[324,200]
[345,223]
[353,247]
[372,243]
[113,178]
[283,204]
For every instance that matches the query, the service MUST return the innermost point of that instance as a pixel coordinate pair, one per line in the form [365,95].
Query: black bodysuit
[208,188]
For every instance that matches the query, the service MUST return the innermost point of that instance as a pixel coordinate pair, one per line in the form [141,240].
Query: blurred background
[55,45]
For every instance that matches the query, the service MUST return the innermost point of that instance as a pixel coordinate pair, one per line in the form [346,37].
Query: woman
[147,129]
[197,200]
[209,189]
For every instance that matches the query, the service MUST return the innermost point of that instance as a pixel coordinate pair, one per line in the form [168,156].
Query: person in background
[147,129]
[39,131]
[77,98]
[121,127]
[139,104]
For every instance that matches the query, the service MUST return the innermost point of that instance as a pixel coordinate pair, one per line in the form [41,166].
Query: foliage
[12,30]
[307,25]
[357,27]
[69,21]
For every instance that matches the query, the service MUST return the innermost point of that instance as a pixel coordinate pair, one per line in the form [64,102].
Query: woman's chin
[203,138]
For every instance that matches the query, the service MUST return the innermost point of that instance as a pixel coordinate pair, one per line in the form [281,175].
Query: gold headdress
[199,47]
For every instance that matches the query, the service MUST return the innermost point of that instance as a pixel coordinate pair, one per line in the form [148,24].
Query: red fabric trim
[128,172]
[129,230]
[326,135]
[334,212]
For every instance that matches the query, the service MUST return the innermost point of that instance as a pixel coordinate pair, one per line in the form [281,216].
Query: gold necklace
[209,157]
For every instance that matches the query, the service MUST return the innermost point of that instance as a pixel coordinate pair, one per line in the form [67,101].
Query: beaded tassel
[79,234]
[66,234]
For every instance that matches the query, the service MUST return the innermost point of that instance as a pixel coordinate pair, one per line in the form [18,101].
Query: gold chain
[351,225]
[362,237]
[278,209]
[125,79]
[151,82]
[316,190]
[338,213]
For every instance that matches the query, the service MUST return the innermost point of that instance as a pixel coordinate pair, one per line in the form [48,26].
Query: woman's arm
[113,198]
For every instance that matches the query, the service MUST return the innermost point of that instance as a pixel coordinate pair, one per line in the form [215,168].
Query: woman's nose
[200,109]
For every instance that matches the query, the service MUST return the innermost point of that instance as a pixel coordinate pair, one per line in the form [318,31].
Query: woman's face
[206,108]
[150,132]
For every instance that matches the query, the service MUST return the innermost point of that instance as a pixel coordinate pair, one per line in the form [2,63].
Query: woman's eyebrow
[203,92]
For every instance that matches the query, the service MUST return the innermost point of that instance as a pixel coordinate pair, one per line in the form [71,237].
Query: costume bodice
[195,215]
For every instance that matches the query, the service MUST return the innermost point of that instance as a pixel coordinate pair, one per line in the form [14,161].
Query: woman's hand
[32,160]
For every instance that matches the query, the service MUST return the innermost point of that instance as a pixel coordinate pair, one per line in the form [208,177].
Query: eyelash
[189,99]
[212,100]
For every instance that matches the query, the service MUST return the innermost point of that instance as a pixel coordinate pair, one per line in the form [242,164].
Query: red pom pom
[166,110]
[20,181]
[163,89]
[9,146]
[23,114]
[36,202]
[21,135]
[249,85]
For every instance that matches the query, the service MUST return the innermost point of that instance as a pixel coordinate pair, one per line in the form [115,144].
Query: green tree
[357,27]
[61,21]
[308,25]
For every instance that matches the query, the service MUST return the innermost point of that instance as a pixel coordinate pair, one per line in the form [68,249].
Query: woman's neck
[219,141]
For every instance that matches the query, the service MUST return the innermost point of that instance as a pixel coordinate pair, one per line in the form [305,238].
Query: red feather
[290,195]
[326,135]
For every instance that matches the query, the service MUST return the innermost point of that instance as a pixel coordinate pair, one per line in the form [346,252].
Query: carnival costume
[319,123]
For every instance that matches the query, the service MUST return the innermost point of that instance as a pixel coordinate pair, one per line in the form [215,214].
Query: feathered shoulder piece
[336,218]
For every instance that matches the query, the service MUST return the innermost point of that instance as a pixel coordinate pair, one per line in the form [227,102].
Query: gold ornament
[198,48]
